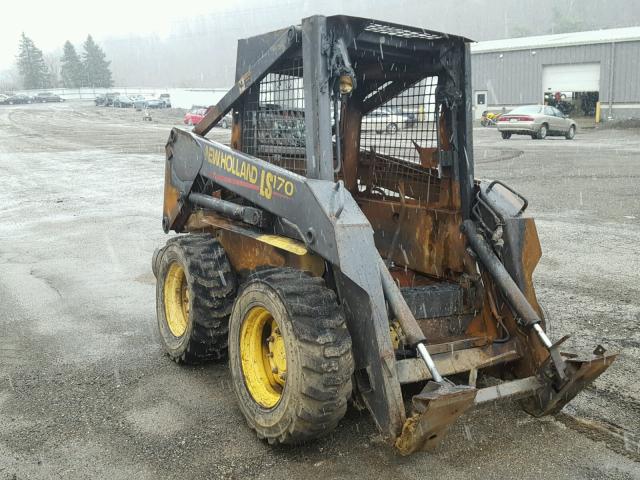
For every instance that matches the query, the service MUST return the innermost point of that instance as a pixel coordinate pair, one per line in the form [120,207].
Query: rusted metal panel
[429,241]
[582,370]
[434,410]
[413,369]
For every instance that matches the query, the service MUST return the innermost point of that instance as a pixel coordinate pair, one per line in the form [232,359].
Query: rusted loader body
[350,249]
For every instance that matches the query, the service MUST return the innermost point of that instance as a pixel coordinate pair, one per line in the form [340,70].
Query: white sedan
[538,121]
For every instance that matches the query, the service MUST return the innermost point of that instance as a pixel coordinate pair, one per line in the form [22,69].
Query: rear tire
[571,133]
[542,133]
[392,128]
[290,356]
[195,289]
[506,135]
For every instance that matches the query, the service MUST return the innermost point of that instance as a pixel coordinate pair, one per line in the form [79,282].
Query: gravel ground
[85,391]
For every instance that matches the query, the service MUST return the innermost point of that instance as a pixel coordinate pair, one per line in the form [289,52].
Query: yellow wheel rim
[176,299]
[263,357]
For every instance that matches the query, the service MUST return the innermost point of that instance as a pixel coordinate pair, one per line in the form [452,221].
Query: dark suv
[106,100]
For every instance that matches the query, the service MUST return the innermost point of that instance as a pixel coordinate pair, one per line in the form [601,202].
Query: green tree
[71,70]
[31,65]
[96,67]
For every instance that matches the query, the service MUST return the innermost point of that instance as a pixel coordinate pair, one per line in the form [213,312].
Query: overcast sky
[192,43]
[49,23]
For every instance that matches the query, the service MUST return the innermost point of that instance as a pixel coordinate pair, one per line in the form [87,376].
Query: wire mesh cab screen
[395,139]
[273,122]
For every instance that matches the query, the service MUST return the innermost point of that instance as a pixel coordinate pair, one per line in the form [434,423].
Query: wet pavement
[85,391]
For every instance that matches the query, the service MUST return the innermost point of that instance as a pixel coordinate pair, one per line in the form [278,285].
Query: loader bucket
[435,408]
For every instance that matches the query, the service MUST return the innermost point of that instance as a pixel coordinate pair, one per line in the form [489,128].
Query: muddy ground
[85,391]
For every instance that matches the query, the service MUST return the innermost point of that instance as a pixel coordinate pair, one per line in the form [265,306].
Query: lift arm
[254,73]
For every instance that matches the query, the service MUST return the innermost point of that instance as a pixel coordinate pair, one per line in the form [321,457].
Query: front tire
[571,133]
[506,135]
[195,289]
[290,356]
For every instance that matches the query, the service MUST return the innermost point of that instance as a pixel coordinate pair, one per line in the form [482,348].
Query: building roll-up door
[576,77]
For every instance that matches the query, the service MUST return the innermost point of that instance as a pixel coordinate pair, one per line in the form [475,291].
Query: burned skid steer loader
[340,247]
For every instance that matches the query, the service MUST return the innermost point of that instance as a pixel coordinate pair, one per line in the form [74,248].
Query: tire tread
[324,345]
[213,288]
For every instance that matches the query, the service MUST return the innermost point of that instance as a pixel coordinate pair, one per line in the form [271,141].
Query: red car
[195,115]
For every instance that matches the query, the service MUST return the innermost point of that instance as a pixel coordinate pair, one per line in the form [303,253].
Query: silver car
[383,120]
[538,121]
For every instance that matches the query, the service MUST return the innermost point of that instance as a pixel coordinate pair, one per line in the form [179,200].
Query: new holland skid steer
[340,247]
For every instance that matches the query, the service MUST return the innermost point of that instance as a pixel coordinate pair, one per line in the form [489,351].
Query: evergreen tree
[96,67]
[71,69]
[31,65]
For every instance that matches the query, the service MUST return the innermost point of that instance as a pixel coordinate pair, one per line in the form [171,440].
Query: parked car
[18,99]
[384,119]
[409,115]
[106,100]
[195,115]
[538,121]
[123,101]
[3,97]
[226,121]
[45,97]
[138,101]
[166,98]
[111,97]
[155,103]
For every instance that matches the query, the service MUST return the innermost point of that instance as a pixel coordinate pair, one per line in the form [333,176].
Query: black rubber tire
[570,135]
[212,288]
[542,132]
[319,358]
[506,135]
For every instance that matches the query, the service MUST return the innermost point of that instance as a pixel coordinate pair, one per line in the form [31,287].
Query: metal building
[596,74]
